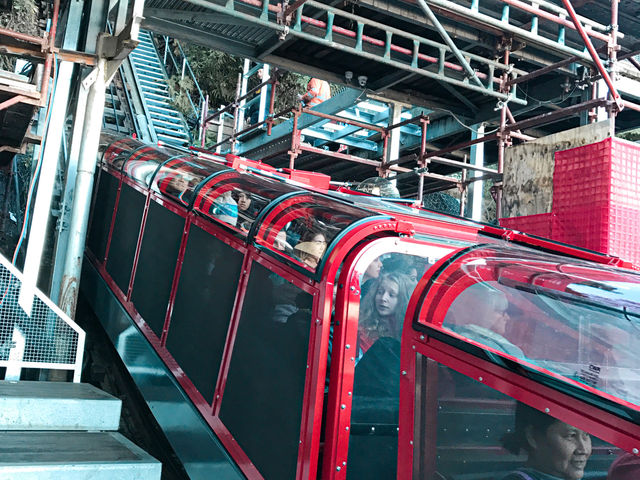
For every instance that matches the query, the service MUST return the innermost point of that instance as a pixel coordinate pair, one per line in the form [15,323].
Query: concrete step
[73,456]
[56,406]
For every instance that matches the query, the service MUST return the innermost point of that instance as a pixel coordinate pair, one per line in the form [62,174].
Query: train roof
[200,181]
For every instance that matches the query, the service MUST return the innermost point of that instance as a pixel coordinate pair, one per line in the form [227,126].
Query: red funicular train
[280,331]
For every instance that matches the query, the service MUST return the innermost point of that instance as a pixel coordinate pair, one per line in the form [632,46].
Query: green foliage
[22,18]
[289,86]
[217,73]
[631,135]
[180,90]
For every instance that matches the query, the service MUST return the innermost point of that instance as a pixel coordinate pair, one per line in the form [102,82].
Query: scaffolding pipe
[445,36]
[421,160]
[502,141]
[594,55]
[538,12]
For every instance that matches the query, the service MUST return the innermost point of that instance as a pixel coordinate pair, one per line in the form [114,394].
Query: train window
[125,236]
[386,286]
[236,198]
[302,227]
[574,320]
[465,430]
[143,163]
[102,214]
[116,151]
[156,265]
[262,401]
[180,177]
[202,309]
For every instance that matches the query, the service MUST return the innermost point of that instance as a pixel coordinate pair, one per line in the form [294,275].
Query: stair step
[170,133]
[167,119]
[74,456]
[156,97]
[146,84]
[172,140]
[154,77]
[156,110]
[145,57]
[56,406]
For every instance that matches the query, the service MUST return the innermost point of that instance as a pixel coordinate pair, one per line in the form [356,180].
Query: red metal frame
[136,256]
[345,334]
[347,253]
[113,221]
[605,426]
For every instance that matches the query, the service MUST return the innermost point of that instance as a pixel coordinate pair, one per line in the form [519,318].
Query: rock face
[528,168]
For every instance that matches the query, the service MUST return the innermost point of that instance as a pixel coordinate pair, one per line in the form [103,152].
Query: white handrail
[45,338]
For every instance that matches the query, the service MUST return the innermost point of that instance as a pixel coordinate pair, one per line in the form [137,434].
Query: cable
[551,101]
[468,127]
[36,174]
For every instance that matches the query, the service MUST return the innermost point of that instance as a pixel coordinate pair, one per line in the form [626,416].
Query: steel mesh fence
[46,339]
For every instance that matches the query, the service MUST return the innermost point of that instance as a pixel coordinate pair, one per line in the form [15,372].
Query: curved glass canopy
[577,321]
[302,227]
[117,150]
[236,199]
[179,177]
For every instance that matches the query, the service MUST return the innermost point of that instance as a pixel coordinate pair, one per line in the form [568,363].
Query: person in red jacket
[317,92]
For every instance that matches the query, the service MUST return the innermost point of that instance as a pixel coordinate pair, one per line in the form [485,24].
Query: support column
[246,67]
[264,94]
[83,188]
[47,178]
[393,148]
[476,158]
[71,39]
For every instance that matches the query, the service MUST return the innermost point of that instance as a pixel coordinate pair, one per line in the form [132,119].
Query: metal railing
[46,339]
[179,65]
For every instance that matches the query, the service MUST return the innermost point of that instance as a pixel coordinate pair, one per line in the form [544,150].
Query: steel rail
[447,39]
[553,18]
[473,17]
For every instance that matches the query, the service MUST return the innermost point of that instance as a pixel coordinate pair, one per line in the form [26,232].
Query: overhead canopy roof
[393,50]
[394,46]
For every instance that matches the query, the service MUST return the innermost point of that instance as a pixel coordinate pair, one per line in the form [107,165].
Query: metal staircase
[164,122]
[53,430]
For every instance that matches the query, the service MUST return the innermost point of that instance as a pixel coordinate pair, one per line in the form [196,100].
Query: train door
[374,289]
[517,365]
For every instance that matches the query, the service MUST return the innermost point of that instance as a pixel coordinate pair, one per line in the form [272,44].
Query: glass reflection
[179,177]
[143,163]
[307,224]
[236,199]
[579,321]
[466,430]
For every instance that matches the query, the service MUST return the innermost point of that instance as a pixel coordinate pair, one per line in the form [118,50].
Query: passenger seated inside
[480,314]
[179,187]
[382,309]
[225,209]
[555,450]
[311,248]
[247,210]
[370,274]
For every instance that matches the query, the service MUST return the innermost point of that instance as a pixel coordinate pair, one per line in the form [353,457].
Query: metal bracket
[116,48]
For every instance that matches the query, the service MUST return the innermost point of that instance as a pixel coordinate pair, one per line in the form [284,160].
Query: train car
[282,330]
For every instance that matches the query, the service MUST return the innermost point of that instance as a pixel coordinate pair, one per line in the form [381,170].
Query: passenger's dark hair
[526,416]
